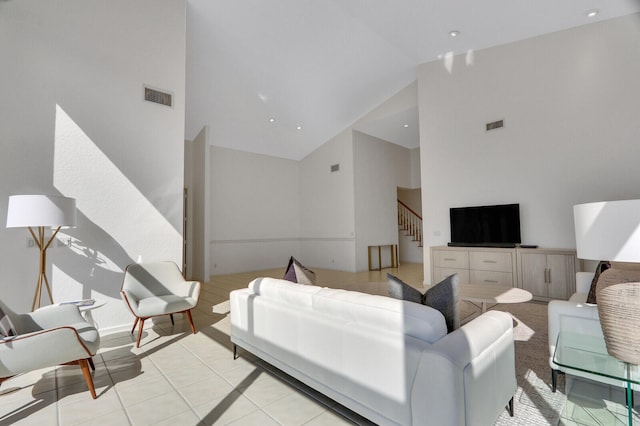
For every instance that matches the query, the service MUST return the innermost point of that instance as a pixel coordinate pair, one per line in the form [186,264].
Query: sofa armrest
[455,372]
[571,316]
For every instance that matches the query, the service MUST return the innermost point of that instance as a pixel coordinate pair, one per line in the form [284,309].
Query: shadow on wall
[92,258]
[117,223]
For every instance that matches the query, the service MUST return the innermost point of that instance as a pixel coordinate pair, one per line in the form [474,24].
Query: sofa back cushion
[379,312]
[382,313]
[285,291]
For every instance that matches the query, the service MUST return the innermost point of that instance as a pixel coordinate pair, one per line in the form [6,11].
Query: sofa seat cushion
[159,305]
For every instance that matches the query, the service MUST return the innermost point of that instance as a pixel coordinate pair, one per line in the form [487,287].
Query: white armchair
[575,315]
[155,289]
[53,335]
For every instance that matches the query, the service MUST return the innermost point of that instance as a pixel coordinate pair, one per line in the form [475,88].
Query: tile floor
[179,378]
[595,403]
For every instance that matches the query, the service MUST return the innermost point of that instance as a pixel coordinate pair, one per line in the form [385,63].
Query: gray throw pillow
[442,296]
[297,273]
[603,265]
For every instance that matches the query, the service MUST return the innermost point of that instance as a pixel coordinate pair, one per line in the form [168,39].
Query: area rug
[535,404]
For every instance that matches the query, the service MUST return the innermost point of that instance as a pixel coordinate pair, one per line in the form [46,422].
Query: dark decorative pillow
[6,326]
[442,296]
[602,266]
[297,273]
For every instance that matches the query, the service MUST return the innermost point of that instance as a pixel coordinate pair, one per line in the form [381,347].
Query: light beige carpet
[535,404]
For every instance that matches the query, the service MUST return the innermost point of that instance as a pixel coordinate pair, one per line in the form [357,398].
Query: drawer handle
[450,259]
[489,261]
[491,281]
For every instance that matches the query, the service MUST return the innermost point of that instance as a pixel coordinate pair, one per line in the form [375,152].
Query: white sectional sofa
[389,360]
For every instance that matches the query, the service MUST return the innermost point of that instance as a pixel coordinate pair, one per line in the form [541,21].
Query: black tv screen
[494,226]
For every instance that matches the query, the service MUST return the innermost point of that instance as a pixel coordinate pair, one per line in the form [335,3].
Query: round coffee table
[491,293]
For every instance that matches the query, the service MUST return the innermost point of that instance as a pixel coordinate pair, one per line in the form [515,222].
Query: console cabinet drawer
[451,259]
[491,261]
[492,277]
[440,274]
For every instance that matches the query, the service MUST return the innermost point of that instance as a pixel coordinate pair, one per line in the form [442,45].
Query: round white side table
[86,312]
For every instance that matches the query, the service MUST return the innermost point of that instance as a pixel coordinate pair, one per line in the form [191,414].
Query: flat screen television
[490,226]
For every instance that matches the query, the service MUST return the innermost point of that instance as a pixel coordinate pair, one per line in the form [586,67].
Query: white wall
[327,226]
[415,170]
[254,211]
[265,209]
[73,122]
[379,168]
[571,103]
[200,197]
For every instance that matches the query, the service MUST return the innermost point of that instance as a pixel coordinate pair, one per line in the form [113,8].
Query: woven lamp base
[619,310]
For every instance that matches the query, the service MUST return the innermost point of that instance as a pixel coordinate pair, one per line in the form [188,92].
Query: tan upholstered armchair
[53,335]
[155,289]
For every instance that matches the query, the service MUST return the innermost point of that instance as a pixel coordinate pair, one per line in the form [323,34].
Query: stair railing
[410,222]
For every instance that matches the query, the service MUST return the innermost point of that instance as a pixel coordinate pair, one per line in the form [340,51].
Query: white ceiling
[325,64]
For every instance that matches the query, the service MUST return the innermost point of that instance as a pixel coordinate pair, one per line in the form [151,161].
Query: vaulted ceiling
[282,77]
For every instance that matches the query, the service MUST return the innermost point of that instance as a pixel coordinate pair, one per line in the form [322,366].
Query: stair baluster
[410,222]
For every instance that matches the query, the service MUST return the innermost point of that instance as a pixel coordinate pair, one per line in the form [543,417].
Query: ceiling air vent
[495,125]
[158,96]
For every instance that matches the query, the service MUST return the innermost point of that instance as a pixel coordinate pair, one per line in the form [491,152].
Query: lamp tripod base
[43,245]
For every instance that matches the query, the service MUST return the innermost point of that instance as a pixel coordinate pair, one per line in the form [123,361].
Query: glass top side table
[589,354]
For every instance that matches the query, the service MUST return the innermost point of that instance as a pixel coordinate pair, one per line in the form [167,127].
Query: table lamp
[611,231]
[38,212]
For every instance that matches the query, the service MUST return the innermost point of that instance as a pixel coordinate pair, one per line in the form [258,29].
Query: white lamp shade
[608,230]
[40,210]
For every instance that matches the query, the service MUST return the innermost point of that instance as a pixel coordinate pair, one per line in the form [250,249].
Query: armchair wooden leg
[171,316]
[91,364]
[140,332]
[193,327]
[84,365]
[134,325]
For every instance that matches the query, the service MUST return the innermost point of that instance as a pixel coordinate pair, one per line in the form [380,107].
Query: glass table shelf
[587,353]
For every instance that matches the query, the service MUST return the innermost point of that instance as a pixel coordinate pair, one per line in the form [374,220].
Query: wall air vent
[158,96]
[495,125]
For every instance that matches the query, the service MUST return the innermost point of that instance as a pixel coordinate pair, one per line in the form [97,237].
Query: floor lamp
[38,212]
[611,231]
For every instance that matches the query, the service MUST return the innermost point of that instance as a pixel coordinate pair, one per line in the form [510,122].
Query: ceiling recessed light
[271,120]
[299,127]
[593,12]
[454,33]
[405,125]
